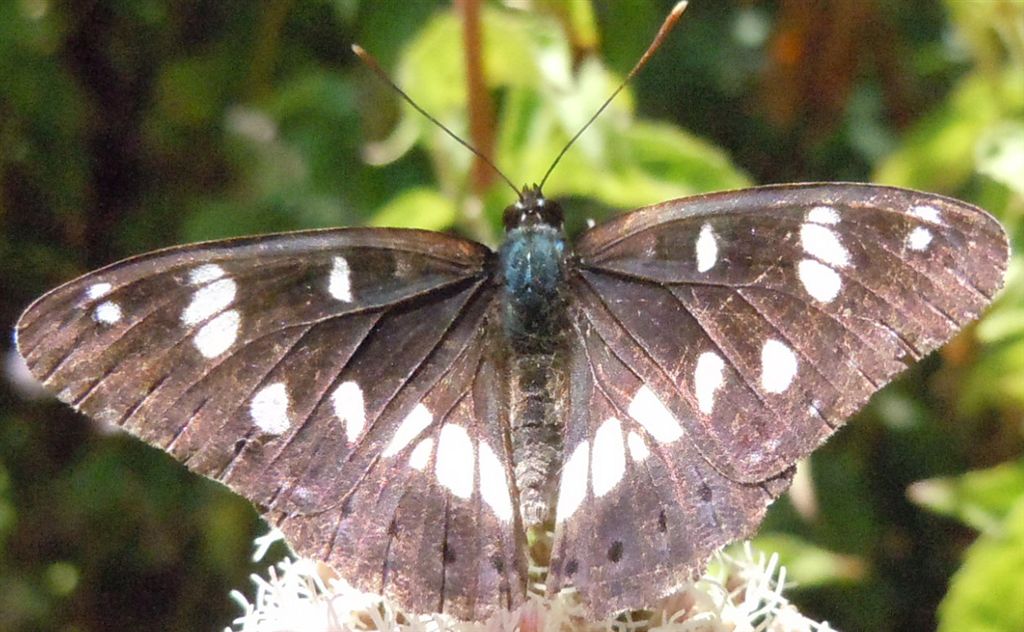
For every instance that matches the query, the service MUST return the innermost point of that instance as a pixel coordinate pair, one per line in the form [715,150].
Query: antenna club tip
[680,7]
[358,50]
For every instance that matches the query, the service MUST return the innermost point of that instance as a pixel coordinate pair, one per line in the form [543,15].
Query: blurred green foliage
[987,592]
[129,125]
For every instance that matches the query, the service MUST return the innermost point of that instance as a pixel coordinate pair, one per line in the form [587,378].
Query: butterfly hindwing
[772,314]
[423,512]
[308,371]
[640,509]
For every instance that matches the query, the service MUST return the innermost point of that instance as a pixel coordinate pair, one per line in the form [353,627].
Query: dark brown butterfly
[406,405]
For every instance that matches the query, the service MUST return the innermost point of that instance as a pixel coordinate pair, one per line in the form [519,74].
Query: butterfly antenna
[369,60]
[666,27]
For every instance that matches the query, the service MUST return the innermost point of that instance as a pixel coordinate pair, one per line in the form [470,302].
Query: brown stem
[481,109]
[273,15]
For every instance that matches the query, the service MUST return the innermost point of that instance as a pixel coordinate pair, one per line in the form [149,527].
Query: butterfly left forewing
[304,370]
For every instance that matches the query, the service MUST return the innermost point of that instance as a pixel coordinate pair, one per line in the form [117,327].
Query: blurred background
[127,125]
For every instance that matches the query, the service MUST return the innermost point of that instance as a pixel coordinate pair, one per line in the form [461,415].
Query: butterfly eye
[533,209]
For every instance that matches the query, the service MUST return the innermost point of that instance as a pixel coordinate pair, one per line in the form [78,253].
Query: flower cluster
[742,593]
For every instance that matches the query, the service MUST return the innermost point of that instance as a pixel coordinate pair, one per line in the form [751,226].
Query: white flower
[742,594]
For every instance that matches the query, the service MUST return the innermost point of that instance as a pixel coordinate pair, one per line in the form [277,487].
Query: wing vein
[240,401]
[409,378]
[640,379]
[780,332]
[187,333]
[330,384]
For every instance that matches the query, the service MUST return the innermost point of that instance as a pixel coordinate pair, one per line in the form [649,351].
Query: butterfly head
[533,209]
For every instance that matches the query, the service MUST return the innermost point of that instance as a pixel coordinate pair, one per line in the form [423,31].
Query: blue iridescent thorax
[533,264]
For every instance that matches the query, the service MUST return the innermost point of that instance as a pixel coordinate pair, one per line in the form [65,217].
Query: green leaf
[681,163]
[432,69]
[933,153]
[1005,321]
[987,593]
[417,208]
[996,381]
[1000,154]
[982,498]
[548,96]
[808,565]
[638,162]
[185,94]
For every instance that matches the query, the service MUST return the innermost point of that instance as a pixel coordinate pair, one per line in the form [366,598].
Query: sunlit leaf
[809,565]
[417,208]
[987,593]
[936,153]
[1000,154]
[982,498]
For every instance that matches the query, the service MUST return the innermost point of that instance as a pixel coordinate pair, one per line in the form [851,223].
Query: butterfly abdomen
[534,322]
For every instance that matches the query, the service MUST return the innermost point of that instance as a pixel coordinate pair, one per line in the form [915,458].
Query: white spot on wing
[778,366]
[409,429]
[823,215]
[269,408]
[707,379]
[217,336]
[821,282]
[572,489]
[637,447]
[824,244]
[929,214]
[421,454]
[608,464]
[454,463]
[340,284]
[348,404]
[209,300]
[205,273]
[650,413]
[107,313]
[96,290]
[919,239]
[494,486]
[707,249]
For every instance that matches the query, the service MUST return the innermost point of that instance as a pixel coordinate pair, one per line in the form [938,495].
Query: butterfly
[406,405]
[410,406]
